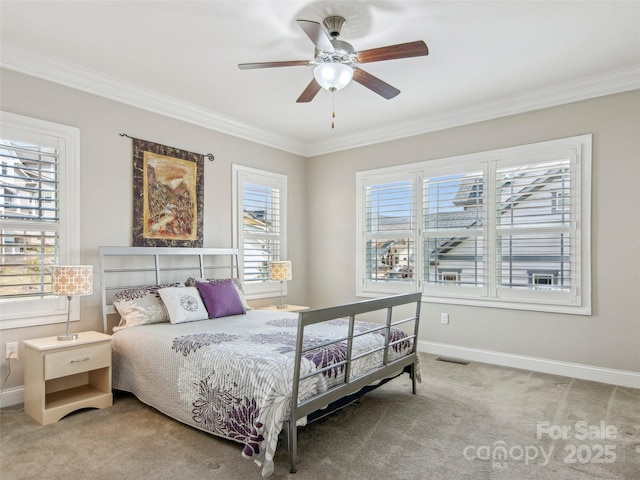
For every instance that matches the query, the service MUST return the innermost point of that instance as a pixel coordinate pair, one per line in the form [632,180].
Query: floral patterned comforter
[232,376]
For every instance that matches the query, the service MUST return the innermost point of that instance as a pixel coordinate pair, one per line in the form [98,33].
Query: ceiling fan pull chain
[333,107]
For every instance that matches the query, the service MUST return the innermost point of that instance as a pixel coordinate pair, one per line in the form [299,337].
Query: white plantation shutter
[261,229]
[39,187]
[29,216]
[390,233]
[454,222]
[507,228]
[537,245]
[260,226]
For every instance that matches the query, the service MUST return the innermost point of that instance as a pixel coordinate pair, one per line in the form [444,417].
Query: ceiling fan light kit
[333,76]
[337,62]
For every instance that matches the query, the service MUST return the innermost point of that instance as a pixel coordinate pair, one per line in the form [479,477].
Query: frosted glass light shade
[333,76]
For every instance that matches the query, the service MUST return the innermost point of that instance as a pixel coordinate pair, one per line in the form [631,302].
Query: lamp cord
[5,378]
[4,382]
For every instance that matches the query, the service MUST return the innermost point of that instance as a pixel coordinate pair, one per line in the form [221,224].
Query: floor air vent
[452,360]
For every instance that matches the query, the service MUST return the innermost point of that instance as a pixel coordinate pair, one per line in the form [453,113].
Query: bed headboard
[131,267]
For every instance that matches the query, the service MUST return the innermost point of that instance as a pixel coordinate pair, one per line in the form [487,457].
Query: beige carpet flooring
[471,421]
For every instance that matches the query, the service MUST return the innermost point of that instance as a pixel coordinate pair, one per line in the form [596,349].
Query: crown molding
[608,83]
[90,81]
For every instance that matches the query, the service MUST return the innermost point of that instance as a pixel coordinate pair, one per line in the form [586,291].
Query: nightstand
[288,308]
[63,376]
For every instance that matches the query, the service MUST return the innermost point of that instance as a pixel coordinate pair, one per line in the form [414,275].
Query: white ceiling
[179,58]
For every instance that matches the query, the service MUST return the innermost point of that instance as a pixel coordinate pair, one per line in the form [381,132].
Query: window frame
[577,149]
[18,313]
[241,174]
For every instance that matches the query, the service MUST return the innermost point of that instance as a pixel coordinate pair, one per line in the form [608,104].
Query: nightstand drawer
[76,360]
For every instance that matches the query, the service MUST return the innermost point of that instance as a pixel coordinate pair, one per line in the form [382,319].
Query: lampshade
[280,271]
[72,280]
[333,76]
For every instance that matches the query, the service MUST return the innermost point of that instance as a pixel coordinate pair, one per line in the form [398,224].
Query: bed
[248,375]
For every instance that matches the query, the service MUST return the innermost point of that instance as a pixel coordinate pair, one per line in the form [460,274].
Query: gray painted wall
[610,337]
[107,182]
[322,213]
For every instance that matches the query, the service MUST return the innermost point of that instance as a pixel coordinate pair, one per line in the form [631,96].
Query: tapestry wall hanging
[167,196]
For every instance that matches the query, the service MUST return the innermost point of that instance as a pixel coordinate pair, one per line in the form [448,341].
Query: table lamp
[280,271]
[72,280]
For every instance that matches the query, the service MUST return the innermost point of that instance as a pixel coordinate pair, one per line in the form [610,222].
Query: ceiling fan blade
[375,84]
[391,52]
[317,35]
[291,63]
[310,92]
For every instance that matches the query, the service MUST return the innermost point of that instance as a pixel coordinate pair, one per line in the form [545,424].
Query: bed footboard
[351,384]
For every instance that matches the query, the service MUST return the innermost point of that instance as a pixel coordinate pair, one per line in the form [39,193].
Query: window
[38,217]
[390,233]
[507,228]
[453,225]
[260,213]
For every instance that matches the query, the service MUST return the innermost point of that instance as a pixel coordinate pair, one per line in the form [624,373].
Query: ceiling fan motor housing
[343,53]
[333,26]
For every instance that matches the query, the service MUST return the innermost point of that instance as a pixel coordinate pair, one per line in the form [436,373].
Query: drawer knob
[80,360]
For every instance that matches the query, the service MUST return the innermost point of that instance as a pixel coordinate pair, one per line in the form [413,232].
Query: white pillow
[183,304]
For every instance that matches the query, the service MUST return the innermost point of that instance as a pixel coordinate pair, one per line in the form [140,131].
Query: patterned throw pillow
[183,304]
[141,306]
[191,282]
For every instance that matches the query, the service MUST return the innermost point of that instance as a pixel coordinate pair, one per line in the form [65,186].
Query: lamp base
[71,336]
[68,336]
[282,307]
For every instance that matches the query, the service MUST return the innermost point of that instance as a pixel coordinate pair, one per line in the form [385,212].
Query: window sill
[11,323]
[533,306]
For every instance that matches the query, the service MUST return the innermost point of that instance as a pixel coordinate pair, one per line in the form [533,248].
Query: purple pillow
[221,299]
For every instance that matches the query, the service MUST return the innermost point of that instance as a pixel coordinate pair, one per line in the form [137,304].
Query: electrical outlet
[444,318]
[12,350]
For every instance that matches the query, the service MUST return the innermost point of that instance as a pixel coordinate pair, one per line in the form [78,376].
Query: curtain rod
[209,156]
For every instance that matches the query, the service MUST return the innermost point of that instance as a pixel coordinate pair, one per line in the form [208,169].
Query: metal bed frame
[351,386]
[156,265]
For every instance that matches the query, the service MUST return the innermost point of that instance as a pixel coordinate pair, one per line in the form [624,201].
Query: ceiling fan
[337,62]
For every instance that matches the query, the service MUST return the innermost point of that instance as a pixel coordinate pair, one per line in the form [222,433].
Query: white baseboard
[623,378]
[12,396]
